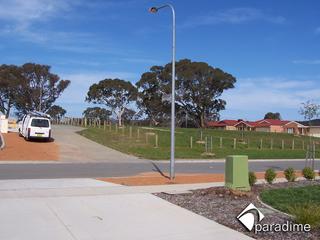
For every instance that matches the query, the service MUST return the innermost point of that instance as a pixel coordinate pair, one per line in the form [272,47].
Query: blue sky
[271,47]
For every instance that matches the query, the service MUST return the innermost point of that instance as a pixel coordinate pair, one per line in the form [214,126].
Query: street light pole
[154,10]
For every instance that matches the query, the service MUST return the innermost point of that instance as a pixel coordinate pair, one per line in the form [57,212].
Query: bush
[252,178]
[308,173]
[290,174]
[270,175]
[306,213]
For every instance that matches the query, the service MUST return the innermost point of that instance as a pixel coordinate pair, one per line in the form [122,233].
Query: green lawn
[141,142]
[284,199]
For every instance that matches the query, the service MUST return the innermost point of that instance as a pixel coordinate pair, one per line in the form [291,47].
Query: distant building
[313,127]
[264,125]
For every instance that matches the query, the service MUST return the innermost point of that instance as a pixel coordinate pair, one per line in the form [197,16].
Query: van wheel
[20,135]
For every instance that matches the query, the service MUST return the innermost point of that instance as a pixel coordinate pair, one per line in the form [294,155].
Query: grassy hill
[154,143]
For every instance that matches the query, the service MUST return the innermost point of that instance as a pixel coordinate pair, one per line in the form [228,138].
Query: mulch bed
[223,205]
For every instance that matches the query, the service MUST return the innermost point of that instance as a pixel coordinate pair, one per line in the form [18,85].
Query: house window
[290,130]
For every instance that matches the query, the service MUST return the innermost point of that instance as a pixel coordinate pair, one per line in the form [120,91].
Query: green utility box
[236,172]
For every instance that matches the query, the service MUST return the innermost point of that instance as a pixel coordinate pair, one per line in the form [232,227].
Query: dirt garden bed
[223,205]
[17,149]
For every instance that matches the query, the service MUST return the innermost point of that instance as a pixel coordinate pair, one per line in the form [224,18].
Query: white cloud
[308,62]
[80,83]
[234,16]
[267,93]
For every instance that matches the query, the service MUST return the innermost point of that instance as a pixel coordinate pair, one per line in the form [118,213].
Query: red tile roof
[259,123]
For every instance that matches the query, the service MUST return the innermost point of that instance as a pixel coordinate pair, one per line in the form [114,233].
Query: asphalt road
[111,169]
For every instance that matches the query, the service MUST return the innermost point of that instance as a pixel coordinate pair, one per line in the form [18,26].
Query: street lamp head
[153,9]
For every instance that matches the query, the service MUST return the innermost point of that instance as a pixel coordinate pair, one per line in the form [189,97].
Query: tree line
[30,87]
[199,87]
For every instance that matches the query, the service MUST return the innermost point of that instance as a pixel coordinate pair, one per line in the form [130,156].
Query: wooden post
[206,144]
[211,147]
[248,142]
[99,122]
[191,142]
[116,128]
[221,143]
[282,144]
[146,138]
[130,132]
[261,142]
[234,143]
[201,136]
[123,130]
[110,126]
[156,141]
[292,144]
[85,122]
[302,145]
[138,133]
[271,144]
[104,125]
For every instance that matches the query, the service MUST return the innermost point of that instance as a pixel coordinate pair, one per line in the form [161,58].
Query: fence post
[138,133]
[146,138]
[248,142]
[110,126]
[104,125]
[221,143]
[130,131]
[116,128]
[292,144]
[206,143]
[201,136]
[156,141]
[122,129]
[211,144]
[191,142]
[261,142]
[271,144]
[282,144]
[234,143]
[302,145]
[85,122]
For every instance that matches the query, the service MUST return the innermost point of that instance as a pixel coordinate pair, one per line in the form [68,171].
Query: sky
[271,47]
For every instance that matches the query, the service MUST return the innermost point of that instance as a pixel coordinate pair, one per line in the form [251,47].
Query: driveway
[75,148]
[78,209]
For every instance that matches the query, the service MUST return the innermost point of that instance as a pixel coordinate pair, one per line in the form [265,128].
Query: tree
[151,96]
[309,110]
[40,88]
[198,89]
[56,112]
[116,94]
[97,113]
[10,83]
[271,115]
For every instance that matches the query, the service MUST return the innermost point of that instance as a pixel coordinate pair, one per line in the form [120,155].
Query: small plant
[306,213]
[270,175]
[308,173]
[252,178]
[290,174]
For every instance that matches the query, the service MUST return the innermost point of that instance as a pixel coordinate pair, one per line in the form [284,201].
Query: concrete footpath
[63,209]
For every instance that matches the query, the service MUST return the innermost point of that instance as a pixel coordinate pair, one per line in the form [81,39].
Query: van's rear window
[40,123]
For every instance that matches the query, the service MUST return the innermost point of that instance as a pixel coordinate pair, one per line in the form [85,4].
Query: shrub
[270,175]
[290,174]
[308,173]
[252,178]
[306,213]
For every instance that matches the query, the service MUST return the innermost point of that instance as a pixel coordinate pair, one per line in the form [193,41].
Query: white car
[35,125]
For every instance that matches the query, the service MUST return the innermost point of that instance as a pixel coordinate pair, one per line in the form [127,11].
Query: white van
[35,125]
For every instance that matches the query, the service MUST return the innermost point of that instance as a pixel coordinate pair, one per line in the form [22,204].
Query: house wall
[231,128]
[315,131]
[262,129]
[276,129]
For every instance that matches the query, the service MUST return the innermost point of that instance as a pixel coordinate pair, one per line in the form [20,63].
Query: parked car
[35,125]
